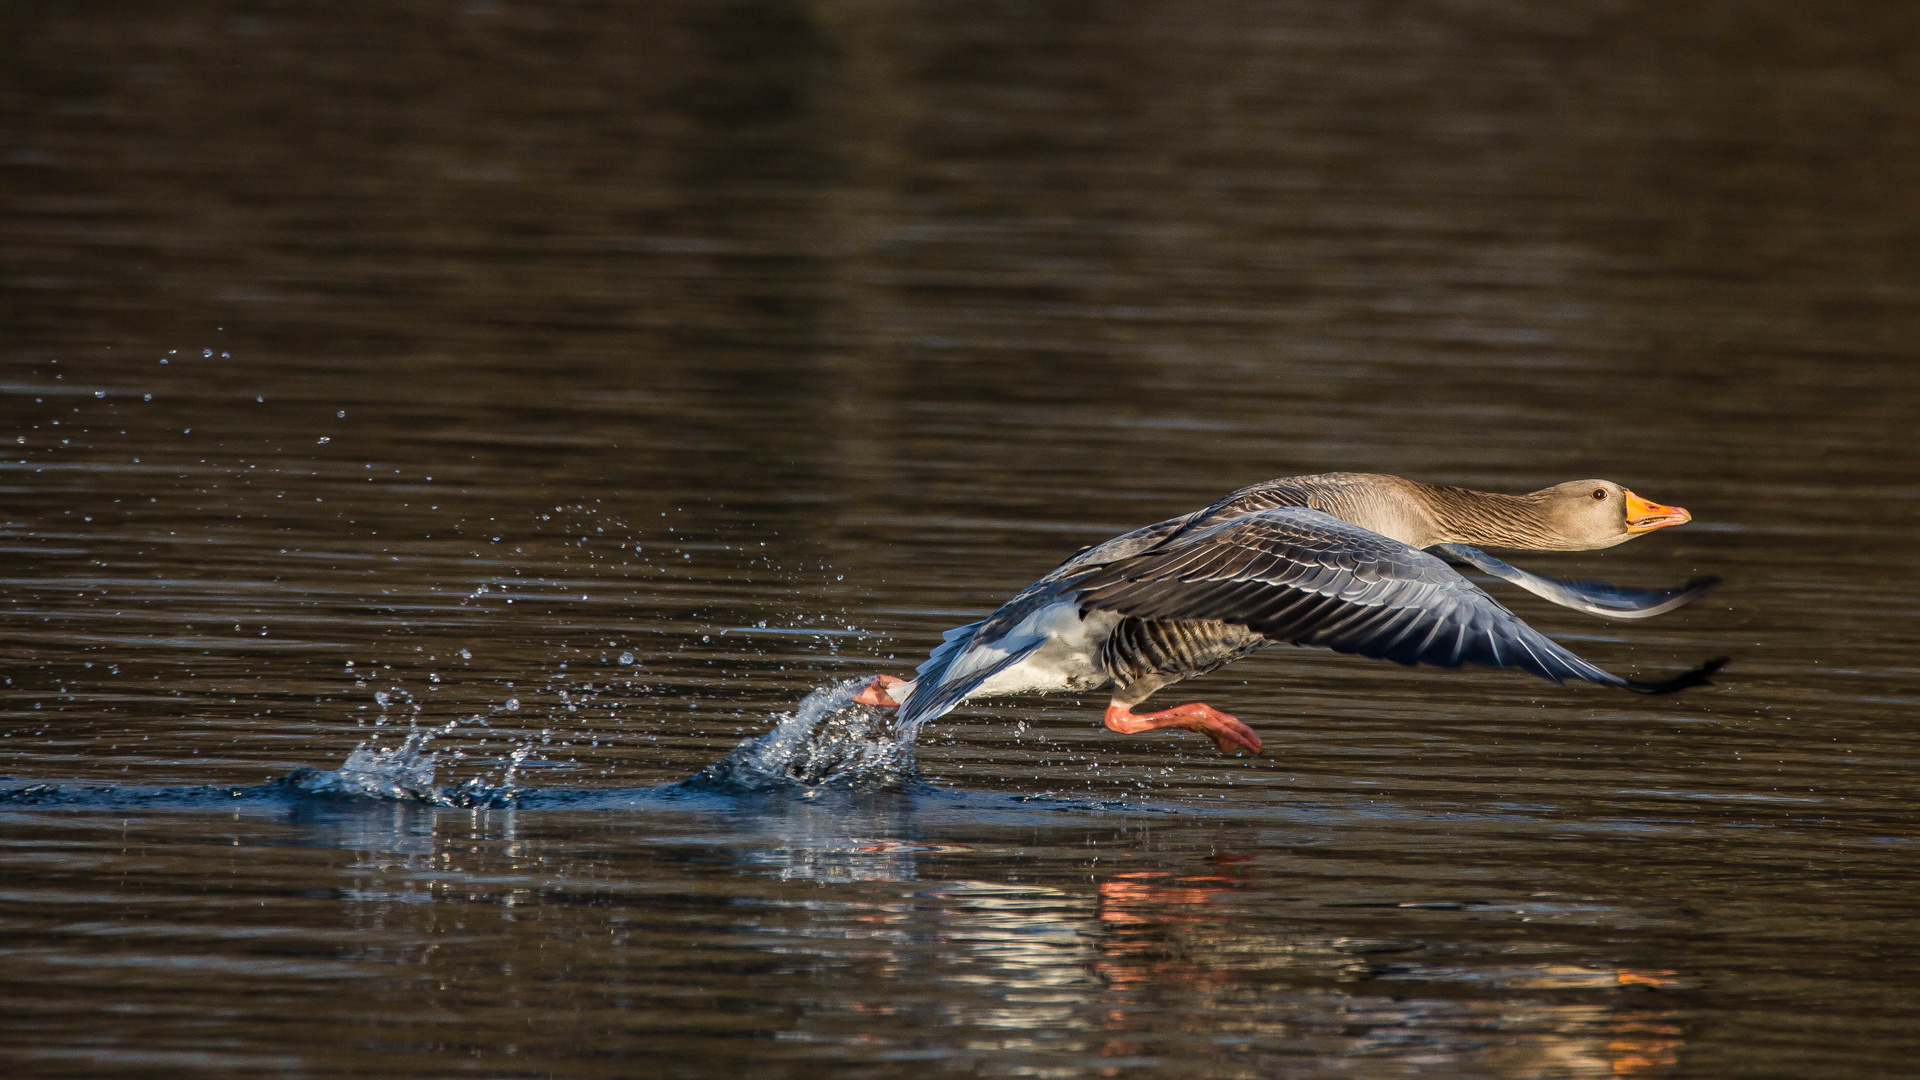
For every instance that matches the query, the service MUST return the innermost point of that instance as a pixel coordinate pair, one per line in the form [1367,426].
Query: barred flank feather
[1139,648]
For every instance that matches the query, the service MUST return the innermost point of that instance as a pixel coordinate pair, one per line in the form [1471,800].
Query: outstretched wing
[1593,597]
[1301,576]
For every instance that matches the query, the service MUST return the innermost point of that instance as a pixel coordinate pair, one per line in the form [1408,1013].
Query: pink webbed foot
[876,692]
[1229,735]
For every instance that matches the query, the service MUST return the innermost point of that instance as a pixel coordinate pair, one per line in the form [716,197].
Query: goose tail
[939,689]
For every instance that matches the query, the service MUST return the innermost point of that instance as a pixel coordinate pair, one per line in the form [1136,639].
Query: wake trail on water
[828,743]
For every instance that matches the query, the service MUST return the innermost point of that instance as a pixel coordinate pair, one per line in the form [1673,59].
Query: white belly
[1068,657]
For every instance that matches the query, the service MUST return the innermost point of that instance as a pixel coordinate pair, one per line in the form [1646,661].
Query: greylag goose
[1338,560]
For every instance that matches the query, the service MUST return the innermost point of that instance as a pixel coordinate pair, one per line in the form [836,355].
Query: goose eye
[1600,494]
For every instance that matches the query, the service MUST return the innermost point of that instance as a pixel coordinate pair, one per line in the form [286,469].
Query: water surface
[586,387]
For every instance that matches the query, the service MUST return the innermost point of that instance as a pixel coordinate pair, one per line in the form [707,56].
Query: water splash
[371,771]
[828,742]
[405,773]
[515,758]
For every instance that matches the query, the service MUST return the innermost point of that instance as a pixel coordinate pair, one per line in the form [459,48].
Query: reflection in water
[836,843]
[1172,942]
[1152,963]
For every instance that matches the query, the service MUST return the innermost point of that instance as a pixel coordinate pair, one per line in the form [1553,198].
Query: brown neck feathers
[1422,515]
[1484,519]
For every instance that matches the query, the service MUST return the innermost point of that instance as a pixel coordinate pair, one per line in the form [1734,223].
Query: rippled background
[589,383]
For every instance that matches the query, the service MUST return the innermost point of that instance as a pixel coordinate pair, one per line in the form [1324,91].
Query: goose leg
[1227,733]
[876,692]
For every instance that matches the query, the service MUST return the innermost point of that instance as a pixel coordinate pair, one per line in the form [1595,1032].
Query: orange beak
[1644,516]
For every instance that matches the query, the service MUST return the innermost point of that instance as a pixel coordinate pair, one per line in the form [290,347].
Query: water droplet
[626,658]
[382,697]
[465,655]
[512,704]
[323,438]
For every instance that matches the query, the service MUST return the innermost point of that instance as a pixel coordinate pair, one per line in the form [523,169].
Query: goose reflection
[1183,944]
[1095,981]
[876,932]
[836,838]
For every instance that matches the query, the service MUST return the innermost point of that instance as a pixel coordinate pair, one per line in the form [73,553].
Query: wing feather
[1301,576]
[1592,597]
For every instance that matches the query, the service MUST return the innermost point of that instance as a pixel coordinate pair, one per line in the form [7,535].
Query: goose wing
[1302,576]
[1593,597]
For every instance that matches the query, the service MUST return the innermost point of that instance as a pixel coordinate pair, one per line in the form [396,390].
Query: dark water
[586,385]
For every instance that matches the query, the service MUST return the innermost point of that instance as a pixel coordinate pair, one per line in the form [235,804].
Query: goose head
[1589,514]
